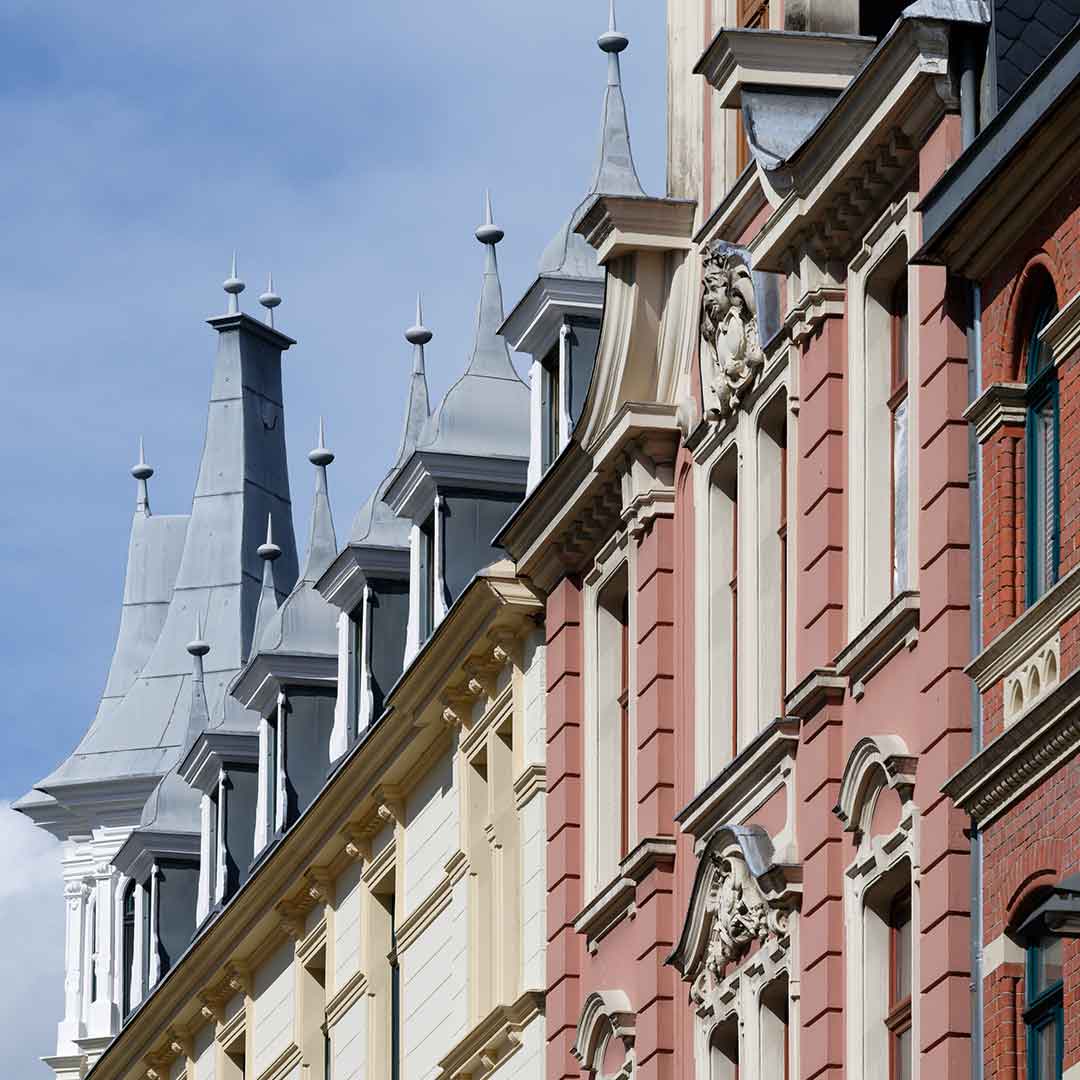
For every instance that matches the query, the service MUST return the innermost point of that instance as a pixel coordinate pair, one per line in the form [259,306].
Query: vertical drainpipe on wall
[969,126]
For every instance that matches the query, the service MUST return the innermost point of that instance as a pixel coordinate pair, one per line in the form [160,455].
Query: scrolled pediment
[741,896]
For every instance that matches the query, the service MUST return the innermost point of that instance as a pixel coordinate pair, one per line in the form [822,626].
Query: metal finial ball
[270,299]
[612,41]
[198,647]
[418,335]
[489,234]
[321,456]
[269,551]
[233,285]
[142,471]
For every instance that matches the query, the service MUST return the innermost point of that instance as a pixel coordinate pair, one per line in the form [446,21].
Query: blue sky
[347,152]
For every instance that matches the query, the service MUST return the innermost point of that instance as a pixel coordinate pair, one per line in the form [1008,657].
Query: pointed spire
[268,552]
[490,355]
[142,472]
[322,542]
[270,299]
[199,717]
[615,172]
[234,287]
[418,403]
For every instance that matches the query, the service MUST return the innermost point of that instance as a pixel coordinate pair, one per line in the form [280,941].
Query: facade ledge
[435,903]
[67,1066]
[282,1065]
[896,628]
[1062,332]
[213,751]
[1027,633]
[1034,745]
[1001,404]
[780,60]
[617,901]
[744,784]
[617,225]
[742,202]
[266,675]
[488,1046]
[530,782]
[342,585]
[821,687]
[344,998]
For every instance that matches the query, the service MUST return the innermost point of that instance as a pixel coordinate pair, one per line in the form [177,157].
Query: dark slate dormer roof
[1025,33]
[486,412]
[242,478]
[569,254]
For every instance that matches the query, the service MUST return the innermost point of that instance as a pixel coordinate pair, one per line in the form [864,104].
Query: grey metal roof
[568,254]
[242,478]
[376,525]
[486,412]
[305,622]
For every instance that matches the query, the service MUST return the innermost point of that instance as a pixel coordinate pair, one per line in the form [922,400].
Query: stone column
[76,894]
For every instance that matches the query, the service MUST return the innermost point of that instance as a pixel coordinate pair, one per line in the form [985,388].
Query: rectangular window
[427,577]
[898,1020]
[898,408]
[1043,492]
[1044,1016]
[127,945]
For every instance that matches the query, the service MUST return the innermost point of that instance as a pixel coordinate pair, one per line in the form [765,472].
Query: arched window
[1042,499]
[1044,1017]
[127,943]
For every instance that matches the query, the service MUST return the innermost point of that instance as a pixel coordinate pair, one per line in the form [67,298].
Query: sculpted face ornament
[731,354]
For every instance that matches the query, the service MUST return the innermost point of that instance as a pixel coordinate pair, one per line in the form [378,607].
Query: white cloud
[32,915]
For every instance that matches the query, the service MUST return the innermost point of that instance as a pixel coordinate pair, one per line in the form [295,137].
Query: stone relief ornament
[731,353]
[739,916]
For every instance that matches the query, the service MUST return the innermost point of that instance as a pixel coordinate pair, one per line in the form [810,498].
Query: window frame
[1040,374]
[899,365]
[1043,1006]
[898,1019]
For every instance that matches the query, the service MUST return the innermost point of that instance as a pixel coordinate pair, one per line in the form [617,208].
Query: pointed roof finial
[418,333]
[612,42]
[489,233]
[320,457]
[270,299]
[198,647]
[269,551]
[234,287]
[142,472]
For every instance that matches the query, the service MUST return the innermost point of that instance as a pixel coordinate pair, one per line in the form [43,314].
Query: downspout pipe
[968,56]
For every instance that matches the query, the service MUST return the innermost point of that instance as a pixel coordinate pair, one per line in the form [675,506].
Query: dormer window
[427,577]
[551,408]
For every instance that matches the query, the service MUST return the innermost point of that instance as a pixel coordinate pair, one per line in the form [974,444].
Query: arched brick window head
[1042,513]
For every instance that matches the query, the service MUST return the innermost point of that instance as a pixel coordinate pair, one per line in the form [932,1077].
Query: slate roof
[1025,32]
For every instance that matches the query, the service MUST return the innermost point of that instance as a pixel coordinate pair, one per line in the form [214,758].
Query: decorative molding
[1027,632]
[618,225]
[530,782]
[779,60]
[1035,744]
[267,675]
[282,1065]
[745,783]
[345,997]
[428,910]
[740,897]
[1033,677]
[821,687]
[605,1015]
[493,1041]
[1001,404]
[895,628]
[229,1031]
[871,757]
[618,900]
[214,751]
[1062,332]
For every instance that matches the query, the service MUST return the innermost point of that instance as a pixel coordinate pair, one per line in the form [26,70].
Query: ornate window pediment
[741,896]
[605,1036]
[875,763]
[731,327]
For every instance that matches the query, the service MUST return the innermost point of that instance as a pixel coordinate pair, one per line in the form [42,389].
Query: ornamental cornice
[1001,404]
[1027,632]
[821,687]
[1062,332]
[617,225]
[1034,745]
[488,1045]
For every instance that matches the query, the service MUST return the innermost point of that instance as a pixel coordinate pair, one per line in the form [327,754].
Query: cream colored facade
[425,851]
